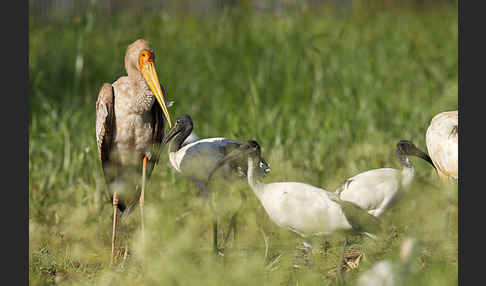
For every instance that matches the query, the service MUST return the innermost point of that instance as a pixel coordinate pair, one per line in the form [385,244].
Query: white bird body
[196,159]
[302,208]
[376,190]
[442,143]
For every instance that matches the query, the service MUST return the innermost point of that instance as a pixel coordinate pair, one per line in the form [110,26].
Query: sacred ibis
[299,207]
[377,190]
[195,160]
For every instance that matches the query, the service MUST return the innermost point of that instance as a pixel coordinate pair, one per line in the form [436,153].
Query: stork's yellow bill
[147,68]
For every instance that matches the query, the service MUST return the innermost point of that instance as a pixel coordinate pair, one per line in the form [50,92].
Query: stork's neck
[143,98]
[408,171]
[176,142]
[253,177]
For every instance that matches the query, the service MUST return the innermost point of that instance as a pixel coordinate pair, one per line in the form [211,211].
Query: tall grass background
[326,92]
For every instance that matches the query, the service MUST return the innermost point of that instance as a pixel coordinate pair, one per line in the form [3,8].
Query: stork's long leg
[113,236]
[142,197]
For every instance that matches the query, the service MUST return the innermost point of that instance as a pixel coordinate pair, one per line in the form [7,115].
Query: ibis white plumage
[190,139]
[196,159]
[299,207]
[442,143]
[377,190]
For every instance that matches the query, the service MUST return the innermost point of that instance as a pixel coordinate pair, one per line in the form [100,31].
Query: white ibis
[393,273]
[129,130]
[195,160]
[299,207]
[441,139]
[377,190]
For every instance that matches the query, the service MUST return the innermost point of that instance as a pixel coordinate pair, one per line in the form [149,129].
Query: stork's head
[140,59]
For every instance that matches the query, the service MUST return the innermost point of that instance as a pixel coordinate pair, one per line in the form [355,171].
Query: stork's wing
[105,122]
[158,124]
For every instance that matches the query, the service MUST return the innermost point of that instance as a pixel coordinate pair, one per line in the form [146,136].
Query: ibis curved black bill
[172,132]
[419,153]
[406,147]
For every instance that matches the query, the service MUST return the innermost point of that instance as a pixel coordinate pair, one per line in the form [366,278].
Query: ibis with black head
[377,190]
[195,160]
[302,208]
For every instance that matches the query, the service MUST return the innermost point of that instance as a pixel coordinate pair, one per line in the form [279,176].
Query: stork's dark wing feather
[158,124]
[105,123]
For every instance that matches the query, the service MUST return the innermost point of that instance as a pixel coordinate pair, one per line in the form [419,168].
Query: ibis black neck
[177,141]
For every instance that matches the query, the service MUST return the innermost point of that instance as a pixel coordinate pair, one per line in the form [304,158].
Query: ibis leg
[326,245]
[232,227]
[208,199]
[339,275]
[113,236]
[215,235]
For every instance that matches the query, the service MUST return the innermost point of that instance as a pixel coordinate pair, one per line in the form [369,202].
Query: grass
[326,93]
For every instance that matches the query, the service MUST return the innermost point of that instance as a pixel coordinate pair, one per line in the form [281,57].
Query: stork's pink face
[146,67]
